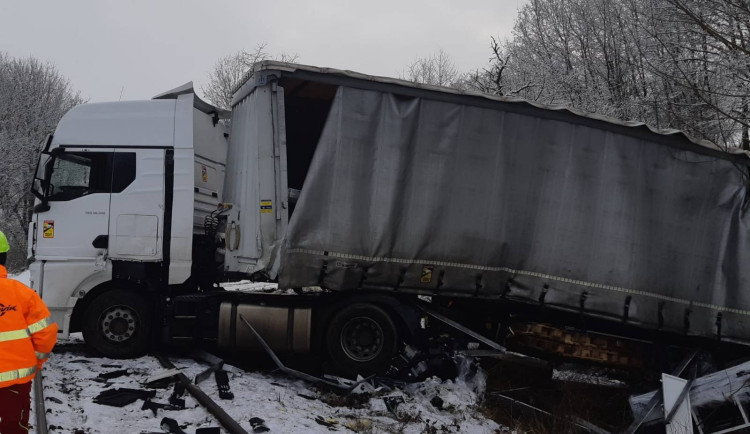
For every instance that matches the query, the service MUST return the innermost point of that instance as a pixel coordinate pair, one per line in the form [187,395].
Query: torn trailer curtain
[425,195]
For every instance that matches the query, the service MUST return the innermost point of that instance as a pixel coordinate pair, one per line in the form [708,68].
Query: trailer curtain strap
[14,335]
[39,325]
[536,274]
[17,373]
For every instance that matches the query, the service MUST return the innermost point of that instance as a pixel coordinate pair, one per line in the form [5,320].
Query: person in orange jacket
[27,336]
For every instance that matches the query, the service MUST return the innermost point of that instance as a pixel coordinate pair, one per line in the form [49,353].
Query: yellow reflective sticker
[426,276]
[266,206]
[48,230]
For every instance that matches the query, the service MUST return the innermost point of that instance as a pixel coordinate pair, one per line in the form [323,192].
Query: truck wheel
[361,339]
[117,324]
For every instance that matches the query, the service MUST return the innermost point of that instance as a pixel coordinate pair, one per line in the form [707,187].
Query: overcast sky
[144,47]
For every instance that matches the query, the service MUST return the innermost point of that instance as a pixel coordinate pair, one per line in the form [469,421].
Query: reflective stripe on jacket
[27,334]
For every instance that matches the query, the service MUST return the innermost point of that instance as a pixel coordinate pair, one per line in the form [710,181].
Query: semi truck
[362,197]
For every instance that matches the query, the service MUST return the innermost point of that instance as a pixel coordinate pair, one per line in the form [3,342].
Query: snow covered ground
[287,405]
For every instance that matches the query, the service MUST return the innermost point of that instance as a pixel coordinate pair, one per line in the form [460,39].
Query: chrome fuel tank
[284,329]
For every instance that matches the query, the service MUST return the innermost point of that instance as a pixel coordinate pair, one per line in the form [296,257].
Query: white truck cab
[120,187]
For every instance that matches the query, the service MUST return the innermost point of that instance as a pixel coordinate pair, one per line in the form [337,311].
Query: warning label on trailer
[48,230]
[204,173]
[426,276]
[266,206]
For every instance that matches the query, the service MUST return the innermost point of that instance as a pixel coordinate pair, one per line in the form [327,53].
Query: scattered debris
[171,426]
[163,375]
[226,421]
[437,402]
[222,382]
[176,397]
[328,423]
[208,430]
[258,425]
[122,396]
[358,425]
[53,399]
[489,342]
[103,377]
[207,373]
[155,406]
[718,400]
[213,360]
[392,403]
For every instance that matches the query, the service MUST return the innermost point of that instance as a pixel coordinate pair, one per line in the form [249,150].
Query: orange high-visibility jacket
[27,333]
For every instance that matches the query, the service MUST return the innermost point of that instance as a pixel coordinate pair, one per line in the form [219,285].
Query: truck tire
[117,324]
[361,339]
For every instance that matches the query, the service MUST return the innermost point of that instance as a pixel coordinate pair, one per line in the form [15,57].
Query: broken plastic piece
[121,397]
[175,397]
[437,402]
[222,382]
[258,425]
[392,402]
[155,406]
[330,423]
[171,426]
[112,374]
[162,375]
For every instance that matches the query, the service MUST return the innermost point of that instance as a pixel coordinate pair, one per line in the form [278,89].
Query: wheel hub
[362,339]
[118,323]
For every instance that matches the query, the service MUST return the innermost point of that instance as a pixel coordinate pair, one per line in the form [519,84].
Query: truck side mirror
[41,207]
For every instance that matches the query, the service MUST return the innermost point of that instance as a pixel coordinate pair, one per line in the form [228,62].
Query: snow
[23,277]
[286,404]
[565,373]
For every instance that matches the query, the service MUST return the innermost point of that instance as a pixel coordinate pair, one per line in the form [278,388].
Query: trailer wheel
[361,339]
[116,324]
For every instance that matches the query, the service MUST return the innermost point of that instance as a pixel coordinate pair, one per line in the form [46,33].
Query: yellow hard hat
[4,246]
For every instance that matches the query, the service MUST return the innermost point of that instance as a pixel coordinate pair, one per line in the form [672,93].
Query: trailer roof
[259,75]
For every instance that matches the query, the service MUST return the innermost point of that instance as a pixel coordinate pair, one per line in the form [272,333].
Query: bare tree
[670,63]
[437,69]
[493,80]
[229,71]
[723,30]
[33,98]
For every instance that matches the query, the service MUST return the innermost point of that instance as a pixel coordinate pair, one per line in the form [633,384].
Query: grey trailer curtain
[435,197]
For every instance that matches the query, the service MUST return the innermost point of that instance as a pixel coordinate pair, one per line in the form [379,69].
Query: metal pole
[40,412]
[226,421]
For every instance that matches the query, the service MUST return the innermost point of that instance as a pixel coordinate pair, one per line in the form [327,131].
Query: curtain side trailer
[361,194]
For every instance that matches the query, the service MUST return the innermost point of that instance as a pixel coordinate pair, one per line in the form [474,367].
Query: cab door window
[77,174]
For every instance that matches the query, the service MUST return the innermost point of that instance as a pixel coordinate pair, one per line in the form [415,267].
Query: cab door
[137,205]
[76,226]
